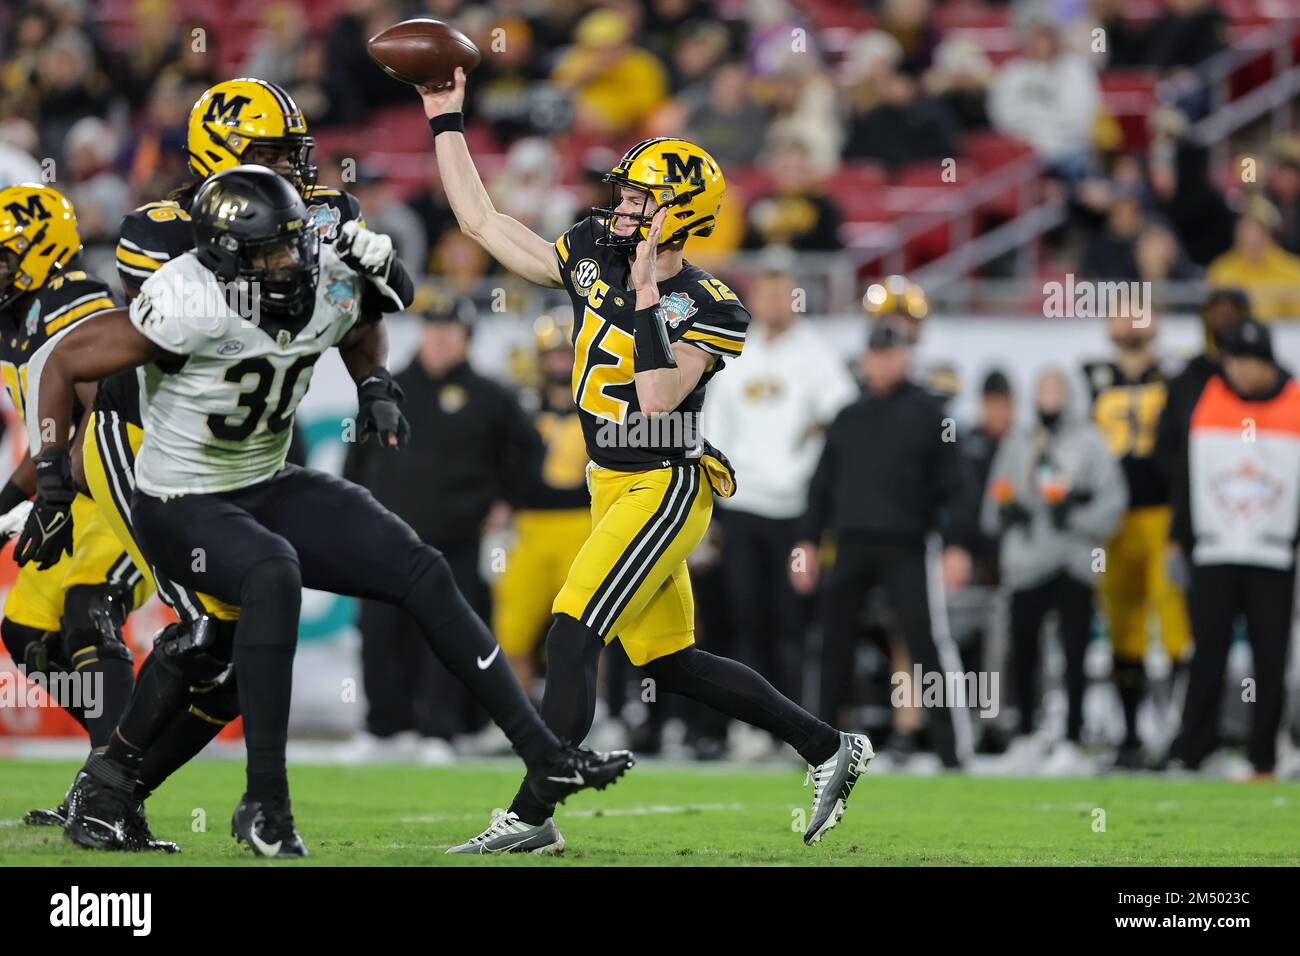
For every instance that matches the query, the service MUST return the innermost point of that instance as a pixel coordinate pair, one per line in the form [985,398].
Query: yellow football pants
[36,599]
[546,542]
[109,458]
[629,580]
[1135,587]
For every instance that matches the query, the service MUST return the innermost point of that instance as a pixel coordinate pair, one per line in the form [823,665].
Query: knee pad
[192,649]
[38,651]
[219,702]
[434,594]
[93,615]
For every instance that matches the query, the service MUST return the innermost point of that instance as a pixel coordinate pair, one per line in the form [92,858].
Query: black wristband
[11,496]
[650,341]
[379,384]
[447,123]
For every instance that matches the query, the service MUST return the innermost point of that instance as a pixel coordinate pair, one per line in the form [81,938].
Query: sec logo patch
[585,274]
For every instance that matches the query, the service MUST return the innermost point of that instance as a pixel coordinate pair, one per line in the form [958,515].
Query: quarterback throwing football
[650,331]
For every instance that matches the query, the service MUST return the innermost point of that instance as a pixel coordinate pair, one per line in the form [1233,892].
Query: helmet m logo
[225,110]
[27,212]
[690,171]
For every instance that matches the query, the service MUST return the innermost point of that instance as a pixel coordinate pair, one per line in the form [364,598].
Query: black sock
[1130,681]
[569,703]
[466,648]
[160,693]
[112,679]
[180,742]
[741,692]
[265,640]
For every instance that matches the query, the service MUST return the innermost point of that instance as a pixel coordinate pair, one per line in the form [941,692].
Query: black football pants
[1219,593]
[900,570]
[257,547]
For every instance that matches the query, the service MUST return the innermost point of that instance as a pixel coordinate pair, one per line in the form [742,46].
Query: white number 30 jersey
[223,420]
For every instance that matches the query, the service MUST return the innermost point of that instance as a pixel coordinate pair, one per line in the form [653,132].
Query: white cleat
[508,834]
[833,782]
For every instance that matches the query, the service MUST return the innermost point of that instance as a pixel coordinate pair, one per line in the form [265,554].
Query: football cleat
[97,814]
[574,769]
[508,834]
[833,782]
[47,816]
[267,829]
[140,838]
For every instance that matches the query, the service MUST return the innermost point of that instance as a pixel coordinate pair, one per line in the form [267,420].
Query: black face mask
[1049,419]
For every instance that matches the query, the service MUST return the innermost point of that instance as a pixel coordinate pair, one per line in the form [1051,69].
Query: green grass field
[711,815]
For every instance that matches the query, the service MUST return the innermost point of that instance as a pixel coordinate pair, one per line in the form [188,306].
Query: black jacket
[1182,393]
[887,472]
[471,445]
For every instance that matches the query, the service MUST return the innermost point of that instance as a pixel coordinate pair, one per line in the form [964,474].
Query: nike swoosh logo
[59,519]
[575,779]
[485,664]
[266,849]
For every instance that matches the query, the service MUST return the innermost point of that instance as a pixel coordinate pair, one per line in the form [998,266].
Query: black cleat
[97,814]
[140,838]
[48,816]
[267,829]
[574,769]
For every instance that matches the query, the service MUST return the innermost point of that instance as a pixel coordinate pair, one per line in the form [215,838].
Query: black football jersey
[34,318]
[702,311]
[1128,412]
[160,231]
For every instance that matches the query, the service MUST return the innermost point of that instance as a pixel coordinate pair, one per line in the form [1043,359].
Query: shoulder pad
[68,298]
[150,236]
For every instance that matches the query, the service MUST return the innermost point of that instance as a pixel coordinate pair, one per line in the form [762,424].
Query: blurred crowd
[100,103]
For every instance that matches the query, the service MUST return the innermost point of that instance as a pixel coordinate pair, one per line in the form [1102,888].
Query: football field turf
[707,815]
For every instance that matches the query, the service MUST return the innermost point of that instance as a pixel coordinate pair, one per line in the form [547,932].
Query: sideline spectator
[1237,528]
[769,414]
[1257,264]
[1048,97]
[1054,497]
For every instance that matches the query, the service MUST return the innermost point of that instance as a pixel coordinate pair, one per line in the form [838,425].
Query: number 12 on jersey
[603,359]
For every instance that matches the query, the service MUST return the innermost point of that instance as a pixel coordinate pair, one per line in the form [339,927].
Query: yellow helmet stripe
[137,259]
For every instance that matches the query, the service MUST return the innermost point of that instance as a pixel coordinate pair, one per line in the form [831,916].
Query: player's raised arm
[86,352]
[506,239]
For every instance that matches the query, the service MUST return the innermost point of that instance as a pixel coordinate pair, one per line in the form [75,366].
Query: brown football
[423,52]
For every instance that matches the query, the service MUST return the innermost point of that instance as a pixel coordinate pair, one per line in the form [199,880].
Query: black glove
[379,409]
[1011,514]
[48,533]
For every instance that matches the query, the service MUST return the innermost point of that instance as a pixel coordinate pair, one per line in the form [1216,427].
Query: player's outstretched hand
[47,535]
[437,102]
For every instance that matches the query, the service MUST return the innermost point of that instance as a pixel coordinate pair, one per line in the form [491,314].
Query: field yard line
[654,809]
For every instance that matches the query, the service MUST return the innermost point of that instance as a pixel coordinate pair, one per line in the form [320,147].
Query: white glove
[13,521]
[361,247]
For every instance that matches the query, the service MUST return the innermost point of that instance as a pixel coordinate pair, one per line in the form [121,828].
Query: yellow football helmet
[38,237]
[896,295]
[676,174]
[235,120]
